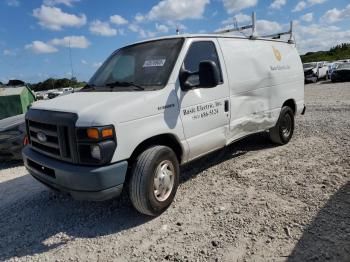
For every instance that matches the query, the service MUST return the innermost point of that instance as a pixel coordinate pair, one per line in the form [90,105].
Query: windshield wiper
[124,83]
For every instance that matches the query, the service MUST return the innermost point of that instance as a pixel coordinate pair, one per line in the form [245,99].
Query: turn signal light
[93,133]
[107,132]
[99,133]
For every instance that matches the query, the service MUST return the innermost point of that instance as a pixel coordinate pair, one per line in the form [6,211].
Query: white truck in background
[315,71]
[160,103]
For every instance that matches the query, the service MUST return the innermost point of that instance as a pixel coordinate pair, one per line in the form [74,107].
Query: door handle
[227,107]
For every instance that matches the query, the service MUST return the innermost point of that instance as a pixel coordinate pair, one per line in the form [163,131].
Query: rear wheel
[283,131]
[154,180]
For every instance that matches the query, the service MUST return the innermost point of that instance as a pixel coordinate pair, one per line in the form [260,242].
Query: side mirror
[209,75]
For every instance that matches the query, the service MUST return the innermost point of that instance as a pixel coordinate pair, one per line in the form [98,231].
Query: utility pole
[71,62]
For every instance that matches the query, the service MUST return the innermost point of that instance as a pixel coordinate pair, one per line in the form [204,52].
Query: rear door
[204,111]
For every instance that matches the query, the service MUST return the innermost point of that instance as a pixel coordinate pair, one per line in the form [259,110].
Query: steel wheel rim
[286,125]
[164,180]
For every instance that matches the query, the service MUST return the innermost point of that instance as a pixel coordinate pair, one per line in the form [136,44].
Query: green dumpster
[15,100]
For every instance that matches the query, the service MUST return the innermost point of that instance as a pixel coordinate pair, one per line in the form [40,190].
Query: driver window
[124,68]
[199,51]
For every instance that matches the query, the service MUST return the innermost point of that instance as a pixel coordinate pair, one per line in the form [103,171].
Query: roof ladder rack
[241,28]
[278,35]
[254,34]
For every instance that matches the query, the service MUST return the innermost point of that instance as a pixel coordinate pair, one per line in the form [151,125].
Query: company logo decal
[277,53]
[41,137]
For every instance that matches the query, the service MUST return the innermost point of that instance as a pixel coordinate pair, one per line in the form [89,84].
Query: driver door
[204,111]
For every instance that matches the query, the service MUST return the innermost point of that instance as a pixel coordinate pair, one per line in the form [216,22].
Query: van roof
[207,36]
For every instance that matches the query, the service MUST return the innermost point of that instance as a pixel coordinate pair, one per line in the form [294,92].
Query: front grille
[52,134]
[51,144]
[308,73]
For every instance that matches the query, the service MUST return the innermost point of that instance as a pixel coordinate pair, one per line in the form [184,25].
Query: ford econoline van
[155,105]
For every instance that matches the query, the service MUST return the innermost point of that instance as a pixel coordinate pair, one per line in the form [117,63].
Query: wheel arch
[166,139]
[291,103]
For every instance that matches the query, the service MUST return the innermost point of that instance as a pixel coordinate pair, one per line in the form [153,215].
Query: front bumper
[310,78]
[81,182]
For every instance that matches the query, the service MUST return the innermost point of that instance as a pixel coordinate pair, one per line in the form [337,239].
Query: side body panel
[262,76]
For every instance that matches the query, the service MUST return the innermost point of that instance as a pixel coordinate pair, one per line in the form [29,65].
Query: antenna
[70,59]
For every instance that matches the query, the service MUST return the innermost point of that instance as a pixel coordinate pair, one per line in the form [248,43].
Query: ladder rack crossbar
[254,34]
[238,29]
[277,34]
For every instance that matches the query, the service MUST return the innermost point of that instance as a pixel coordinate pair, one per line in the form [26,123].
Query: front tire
[283,131]
[154,180]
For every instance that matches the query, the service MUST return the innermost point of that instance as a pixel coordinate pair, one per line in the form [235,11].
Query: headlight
[96,145]
[95,152]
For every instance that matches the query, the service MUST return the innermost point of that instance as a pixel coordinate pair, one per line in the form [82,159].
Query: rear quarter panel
[262,76]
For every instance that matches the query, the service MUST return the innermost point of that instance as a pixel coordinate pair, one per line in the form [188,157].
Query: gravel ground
[252,201]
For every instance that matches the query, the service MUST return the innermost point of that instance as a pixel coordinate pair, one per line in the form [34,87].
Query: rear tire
[283,131]
[154,180]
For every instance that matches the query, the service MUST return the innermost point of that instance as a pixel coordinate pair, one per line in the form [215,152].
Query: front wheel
[283,131]
[154,180]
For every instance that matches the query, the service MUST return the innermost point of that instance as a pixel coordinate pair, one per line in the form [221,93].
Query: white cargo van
[160,103]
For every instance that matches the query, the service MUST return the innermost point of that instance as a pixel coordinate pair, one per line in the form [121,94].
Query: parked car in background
[15,98]
[331,67]
[344,61]
[59,92]
[314,71]
[53,94]
[341,73]
[12,134]
[41,95]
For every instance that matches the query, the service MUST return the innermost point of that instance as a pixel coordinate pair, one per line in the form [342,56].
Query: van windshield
[144,66]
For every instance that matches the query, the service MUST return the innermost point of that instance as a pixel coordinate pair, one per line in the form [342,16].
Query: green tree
[337,52]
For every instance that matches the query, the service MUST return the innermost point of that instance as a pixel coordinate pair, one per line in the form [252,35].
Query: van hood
[99,108]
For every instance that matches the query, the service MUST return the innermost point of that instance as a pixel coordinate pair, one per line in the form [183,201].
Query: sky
[35,35]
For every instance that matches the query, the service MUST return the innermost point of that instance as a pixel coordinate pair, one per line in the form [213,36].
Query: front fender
[132,133]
